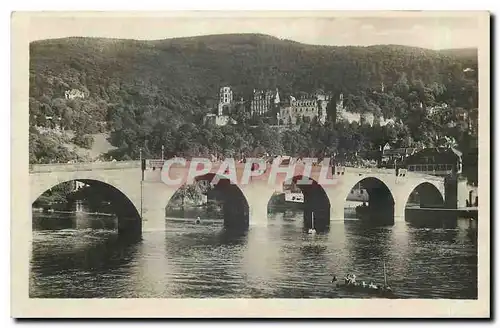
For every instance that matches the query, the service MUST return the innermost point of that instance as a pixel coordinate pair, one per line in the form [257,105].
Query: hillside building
[76,185]
[312,107]
[432,110]
[225,105]
[263,102]
[369,118]
[392,156]
[225,100]
[73,94]
[219,120]
[440,161]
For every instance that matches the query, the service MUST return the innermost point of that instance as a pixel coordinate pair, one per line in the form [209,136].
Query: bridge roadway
[384,186]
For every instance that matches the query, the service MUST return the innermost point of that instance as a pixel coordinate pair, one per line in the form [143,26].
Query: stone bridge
[388,189]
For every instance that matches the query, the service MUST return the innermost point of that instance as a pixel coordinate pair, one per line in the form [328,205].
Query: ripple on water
[279,261]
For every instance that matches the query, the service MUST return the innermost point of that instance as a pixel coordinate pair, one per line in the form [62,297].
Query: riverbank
[449,213]
[44,211]
[203,220]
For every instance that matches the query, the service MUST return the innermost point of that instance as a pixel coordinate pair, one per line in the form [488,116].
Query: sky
[442,31]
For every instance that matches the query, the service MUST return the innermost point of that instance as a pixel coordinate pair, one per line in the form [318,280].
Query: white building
[74,93]
[225,99]
[219,120]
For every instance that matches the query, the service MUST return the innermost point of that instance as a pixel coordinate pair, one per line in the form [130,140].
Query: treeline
[57,194]
[351,141]
[153,93]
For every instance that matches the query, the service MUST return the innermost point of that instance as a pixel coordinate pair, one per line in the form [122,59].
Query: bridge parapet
[414,175]
[368,170]
[70,167]
[97,166]
[378,171]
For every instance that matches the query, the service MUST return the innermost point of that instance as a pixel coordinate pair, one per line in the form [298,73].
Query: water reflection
[399,243]
[89,259]
[436,256]
[260,263]
[63,263]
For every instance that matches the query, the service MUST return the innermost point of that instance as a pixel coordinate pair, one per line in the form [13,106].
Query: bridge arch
[425,194]
[315,202]
[422,194]
[235,206]
[380,207]
[129,219]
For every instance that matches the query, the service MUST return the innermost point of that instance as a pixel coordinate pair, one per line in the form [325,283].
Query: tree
[350,103]
[331,110]
[239,115]
[85,141]
[146,110]
[402,88]
[447,142]
[192,192]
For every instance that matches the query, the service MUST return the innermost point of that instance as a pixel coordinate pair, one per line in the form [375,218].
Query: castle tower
[225,98]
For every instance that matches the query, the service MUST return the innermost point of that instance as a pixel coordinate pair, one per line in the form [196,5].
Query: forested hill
[129,83]
[467,54]
[197,66]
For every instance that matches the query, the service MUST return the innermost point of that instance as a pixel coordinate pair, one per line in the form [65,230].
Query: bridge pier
[155,198]
[129,227]
[152,195]
[258,216]
[153,219]
[258,195]
[337,198]
[400,224]
[399,209]
[337,212]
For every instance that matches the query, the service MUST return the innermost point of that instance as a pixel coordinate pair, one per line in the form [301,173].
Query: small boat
[198,220]
[380,290]
[358,287]
[312,231]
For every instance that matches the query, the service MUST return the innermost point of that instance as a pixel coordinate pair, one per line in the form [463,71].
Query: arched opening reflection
[86,204]
[427,196]
[356,197]
[303,201]
[208,201]
[375,202]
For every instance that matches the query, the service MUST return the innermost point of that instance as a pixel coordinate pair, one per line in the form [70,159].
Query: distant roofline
[444,149]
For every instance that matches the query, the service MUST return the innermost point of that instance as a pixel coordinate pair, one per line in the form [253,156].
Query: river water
[82,257]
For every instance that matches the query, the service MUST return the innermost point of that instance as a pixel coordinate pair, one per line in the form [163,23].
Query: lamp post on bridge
[162,152]
[143,164]
[142,174]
